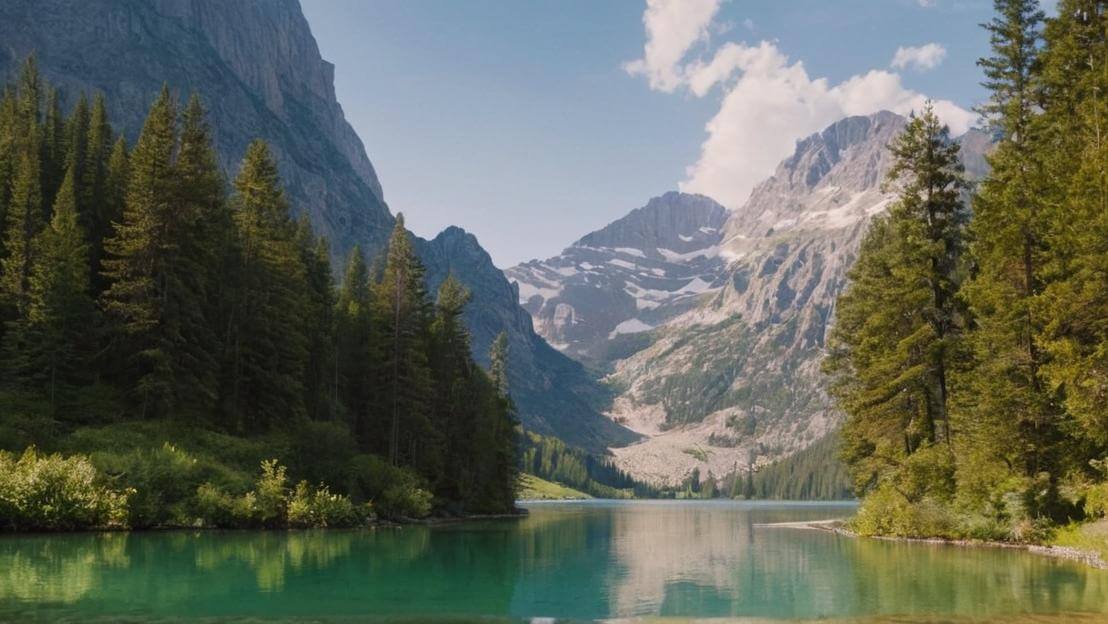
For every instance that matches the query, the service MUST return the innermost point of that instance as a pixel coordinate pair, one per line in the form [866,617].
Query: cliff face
[255,64]
[258,69]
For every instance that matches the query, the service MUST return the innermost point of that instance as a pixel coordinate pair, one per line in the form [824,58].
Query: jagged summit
[680,222]
[626,278]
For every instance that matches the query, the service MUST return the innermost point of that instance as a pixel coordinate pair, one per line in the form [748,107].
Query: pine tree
[1074,302]
[897,325]
[141,266]
[56,339]
[98,149]
[457,405]
[268,350]
[1010,399]
[74,153]
[402,312]
[9,152]
[319,322]
[54,145]
[24,222]
[355,347]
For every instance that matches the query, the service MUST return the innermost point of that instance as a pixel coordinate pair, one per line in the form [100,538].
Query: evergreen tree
[1010,398]
[53,147]
[98,149]
[9,152]
[1074,301]
[155,301]
[355,347]
[24,222]
[268,350]
[55,339]
[457,401]
[319,323]
[897,325]
[402,312]
[74,149]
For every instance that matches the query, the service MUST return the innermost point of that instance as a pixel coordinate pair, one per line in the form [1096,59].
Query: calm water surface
[579,561]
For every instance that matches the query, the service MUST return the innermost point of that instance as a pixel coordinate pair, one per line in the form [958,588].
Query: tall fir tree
[356,348]
[56,339]
[143,270]
[319,322]
[456,405]
[897,327]
[54,145]
[24,222]
[1075,152]
[1010,398]
[267,353]
[403,313]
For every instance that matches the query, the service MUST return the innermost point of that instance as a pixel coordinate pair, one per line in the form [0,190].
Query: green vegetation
[534,488]
[815,473]
[51,492]
[164,333]
[969,354]
[551,459]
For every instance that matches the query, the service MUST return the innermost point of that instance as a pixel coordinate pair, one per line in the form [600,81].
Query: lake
[573,560]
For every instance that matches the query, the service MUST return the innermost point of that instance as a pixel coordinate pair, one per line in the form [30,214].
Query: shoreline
[1068,553]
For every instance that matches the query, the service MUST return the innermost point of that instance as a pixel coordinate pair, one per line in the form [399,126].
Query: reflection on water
[582,561]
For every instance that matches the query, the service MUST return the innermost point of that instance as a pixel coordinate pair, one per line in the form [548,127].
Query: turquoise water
[584,561]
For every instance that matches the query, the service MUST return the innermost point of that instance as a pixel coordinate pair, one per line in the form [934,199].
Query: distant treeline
[137,285]
[815,473]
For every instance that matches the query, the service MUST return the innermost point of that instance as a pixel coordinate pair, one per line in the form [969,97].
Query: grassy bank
[534,488]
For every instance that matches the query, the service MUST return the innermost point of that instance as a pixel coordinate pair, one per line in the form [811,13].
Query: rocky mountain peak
[676,221]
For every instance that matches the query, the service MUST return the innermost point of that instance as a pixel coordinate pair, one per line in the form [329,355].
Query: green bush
[886,511]
[164,481]
[56,493]
[319,508]
[395,492]
[270,494]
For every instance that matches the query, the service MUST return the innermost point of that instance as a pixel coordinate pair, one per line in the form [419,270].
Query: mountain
[257,67]
[731,378]
[259,71]
[598,296]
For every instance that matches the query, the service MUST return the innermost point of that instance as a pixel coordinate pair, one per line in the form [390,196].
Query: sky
[531,123]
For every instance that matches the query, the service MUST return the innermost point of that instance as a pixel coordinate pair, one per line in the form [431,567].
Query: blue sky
[531,123]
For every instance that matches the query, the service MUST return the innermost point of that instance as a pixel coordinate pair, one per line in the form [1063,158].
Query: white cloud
[769,101]
[672,28]
[923,58]
[927,4]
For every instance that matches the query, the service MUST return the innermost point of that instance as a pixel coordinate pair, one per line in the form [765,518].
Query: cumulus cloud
[769,100]
[923,58]
[672,28]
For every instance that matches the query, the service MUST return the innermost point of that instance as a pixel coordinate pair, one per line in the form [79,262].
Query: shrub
[270,494]
[395,492]
[164,480]
[56,493]
[319,508]
[888,512]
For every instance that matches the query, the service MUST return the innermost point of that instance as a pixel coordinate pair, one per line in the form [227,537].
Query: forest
[176,351]
[970,352]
